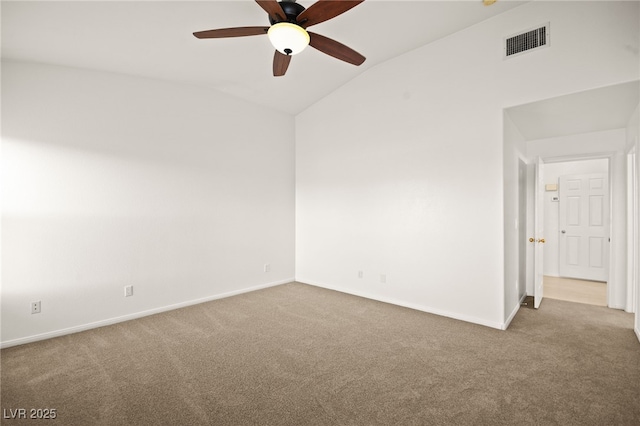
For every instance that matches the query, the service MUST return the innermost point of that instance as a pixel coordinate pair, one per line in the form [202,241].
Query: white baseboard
[637,330]
[422,308]
[135,315]
[513,313]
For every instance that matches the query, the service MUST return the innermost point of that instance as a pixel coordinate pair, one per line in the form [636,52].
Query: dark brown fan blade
[280,63]
[323,10]
[232,32]
[335,49]
[273,8]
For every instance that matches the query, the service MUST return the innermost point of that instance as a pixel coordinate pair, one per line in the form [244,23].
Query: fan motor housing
[291,9]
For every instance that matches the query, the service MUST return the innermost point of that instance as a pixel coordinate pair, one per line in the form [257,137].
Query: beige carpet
[300,355]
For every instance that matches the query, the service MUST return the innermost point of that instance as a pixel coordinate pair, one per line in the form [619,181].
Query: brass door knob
[531,240]
[541,240]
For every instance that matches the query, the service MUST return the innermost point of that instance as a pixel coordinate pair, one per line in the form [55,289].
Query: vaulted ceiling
[154,39]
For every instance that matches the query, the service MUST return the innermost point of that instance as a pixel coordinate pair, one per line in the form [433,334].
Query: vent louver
[527,41]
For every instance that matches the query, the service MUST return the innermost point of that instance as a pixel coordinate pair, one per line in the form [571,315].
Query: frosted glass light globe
[288,38]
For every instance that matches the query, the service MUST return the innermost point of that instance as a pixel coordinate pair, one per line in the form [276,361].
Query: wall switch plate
[267,267]
[128,290]
[360,274]
[36,307]
[383,278]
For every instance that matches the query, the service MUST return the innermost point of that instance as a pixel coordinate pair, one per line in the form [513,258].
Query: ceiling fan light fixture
[288,38]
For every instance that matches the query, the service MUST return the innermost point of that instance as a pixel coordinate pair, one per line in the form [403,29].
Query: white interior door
[538,238]
[584,226]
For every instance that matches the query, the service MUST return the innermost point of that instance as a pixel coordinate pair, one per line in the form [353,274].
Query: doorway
[587,125]
[576,224]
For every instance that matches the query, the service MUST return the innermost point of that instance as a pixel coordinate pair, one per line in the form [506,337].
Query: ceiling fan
[289,21]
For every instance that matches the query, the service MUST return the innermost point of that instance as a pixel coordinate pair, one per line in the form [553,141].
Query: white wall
[552,173]
[110,180]
[400,171]
[572,146]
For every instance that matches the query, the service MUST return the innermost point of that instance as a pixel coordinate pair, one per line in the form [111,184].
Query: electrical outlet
[360,274]
[128,290]
[267,267]
[35,307]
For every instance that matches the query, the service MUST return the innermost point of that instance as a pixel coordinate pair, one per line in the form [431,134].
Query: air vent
[527,41]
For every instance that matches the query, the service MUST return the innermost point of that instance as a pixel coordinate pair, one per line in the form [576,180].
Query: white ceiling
[154,39]
[605,108]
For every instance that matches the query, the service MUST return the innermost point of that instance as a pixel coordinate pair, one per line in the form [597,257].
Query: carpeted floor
[301,355]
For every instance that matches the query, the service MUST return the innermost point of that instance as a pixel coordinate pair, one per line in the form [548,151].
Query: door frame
[612,282]
[633,232]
